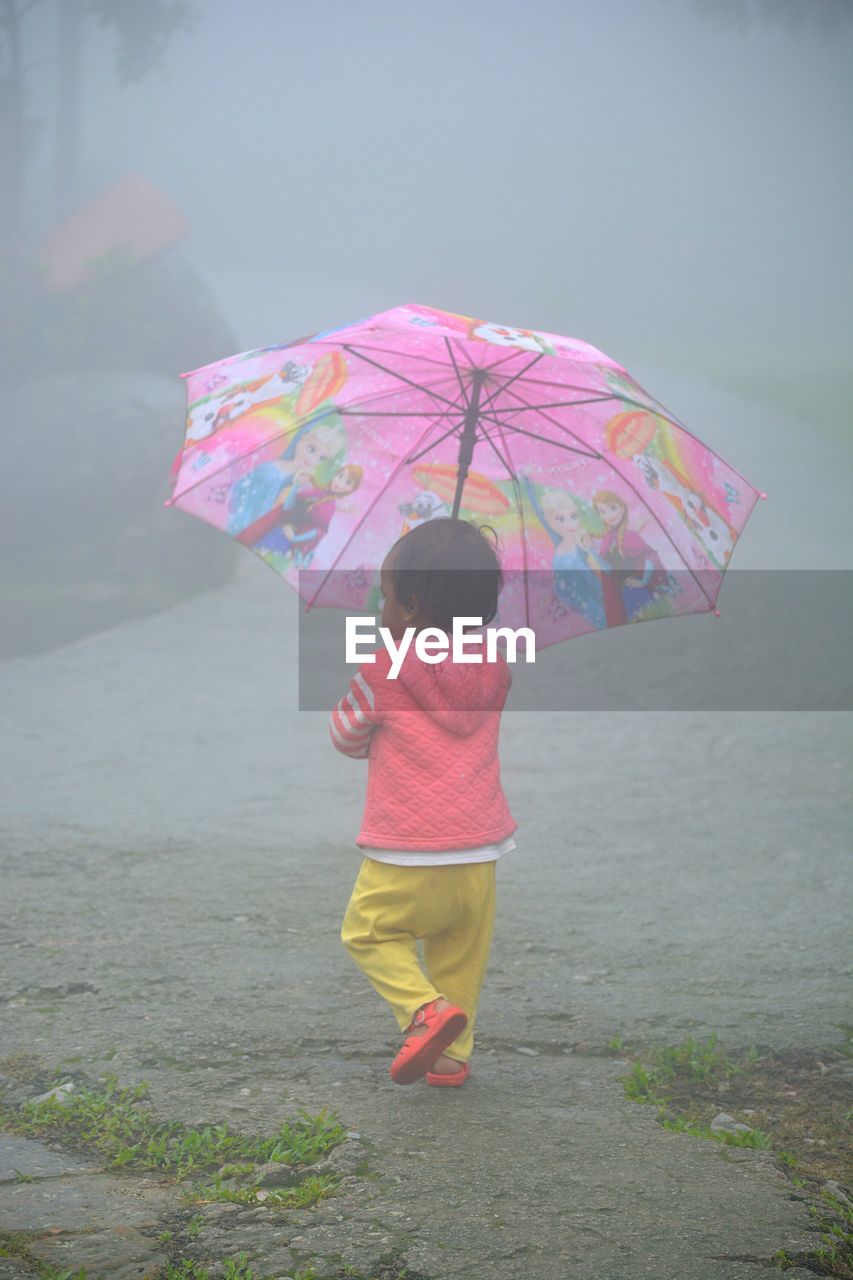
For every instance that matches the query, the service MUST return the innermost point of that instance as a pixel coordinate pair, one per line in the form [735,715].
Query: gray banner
[781,643]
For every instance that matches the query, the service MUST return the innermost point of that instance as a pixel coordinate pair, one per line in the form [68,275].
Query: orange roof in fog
[131,214]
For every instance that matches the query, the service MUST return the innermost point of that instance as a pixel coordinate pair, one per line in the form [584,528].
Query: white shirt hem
[439,857]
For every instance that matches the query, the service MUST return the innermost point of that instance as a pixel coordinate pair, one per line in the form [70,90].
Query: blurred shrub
[93,413]
[155,315]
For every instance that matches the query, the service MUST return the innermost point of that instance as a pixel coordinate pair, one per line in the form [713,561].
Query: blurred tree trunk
[142,29]
[12,133]
[67,167]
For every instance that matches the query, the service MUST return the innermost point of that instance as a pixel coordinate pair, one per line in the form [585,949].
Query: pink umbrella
[314,454]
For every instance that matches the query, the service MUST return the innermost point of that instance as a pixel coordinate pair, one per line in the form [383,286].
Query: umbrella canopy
[477,491]
[320,453]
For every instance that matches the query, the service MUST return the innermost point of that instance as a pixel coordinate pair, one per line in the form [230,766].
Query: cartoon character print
[504,336]
[305,517]
[624,386]
[473,327]
[426,505]
[706,525]
[578,569]
[258,497]
[206,417]
[201,419]
[652,444]
[635,567]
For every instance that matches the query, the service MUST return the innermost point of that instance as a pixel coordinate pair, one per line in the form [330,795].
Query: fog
[669,180]
[183,180]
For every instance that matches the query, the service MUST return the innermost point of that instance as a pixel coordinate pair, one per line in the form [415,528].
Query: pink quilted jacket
[431,739]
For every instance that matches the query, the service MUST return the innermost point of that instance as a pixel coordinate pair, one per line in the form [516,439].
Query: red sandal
[449,1079]
[420,1052]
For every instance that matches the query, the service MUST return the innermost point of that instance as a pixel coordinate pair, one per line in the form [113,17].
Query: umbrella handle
[469,439]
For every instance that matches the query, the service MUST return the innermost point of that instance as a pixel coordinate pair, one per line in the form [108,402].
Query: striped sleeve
[354,718]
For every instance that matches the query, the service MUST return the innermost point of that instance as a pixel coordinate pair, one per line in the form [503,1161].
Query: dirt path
[176,874]
[177,858]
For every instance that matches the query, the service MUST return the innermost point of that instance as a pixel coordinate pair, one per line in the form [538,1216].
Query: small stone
[275,1173]
[727,1124]
[245,1092]
[353,1133]
[581,977]
[531,1053]
[218,1210]
[60,1093]
[262,1196]
[835,1190]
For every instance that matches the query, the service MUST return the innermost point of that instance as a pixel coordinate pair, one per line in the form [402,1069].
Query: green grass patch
[23,1068]
[16,1244]
[118,1125]
[834,1220]
[236,1268]
[46,1272]
[655,1079]
[306,1192]
[797,1107]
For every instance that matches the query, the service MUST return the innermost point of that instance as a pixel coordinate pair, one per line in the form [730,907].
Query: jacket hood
[457,696]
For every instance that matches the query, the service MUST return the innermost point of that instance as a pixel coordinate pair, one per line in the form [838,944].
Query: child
[436,818]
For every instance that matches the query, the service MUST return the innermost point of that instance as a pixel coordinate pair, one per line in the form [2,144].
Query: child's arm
[355,717]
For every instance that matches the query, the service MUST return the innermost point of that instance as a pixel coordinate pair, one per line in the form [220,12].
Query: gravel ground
[177,858]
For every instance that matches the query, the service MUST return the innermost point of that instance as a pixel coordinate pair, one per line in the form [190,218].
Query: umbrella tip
[762,495]
[716,613]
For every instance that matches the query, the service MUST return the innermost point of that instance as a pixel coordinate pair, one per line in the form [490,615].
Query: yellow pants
[452,908]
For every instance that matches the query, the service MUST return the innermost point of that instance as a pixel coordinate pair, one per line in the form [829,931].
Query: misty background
[181,180]
[667,179]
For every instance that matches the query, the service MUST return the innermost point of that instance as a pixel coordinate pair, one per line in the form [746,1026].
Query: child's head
[440,570]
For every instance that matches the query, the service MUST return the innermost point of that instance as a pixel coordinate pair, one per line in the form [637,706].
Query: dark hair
[452,569]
